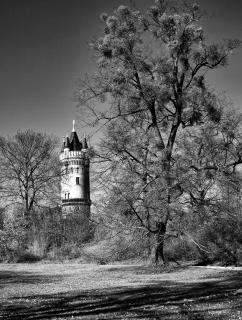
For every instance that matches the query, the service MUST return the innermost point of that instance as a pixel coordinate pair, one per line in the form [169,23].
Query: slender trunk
[149,241]
[26,212]
[162,225]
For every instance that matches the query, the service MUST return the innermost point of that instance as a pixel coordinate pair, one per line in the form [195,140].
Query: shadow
[146,269]
[12,277]
[214,300]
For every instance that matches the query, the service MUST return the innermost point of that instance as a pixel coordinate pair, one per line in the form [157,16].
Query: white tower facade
[75,183]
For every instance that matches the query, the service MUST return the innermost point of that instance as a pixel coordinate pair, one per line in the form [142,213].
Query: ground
[81,291]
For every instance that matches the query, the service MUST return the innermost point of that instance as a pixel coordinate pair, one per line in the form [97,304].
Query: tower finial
[73,129]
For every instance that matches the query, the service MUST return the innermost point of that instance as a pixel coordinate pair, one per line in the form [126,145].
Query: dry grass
[84,291]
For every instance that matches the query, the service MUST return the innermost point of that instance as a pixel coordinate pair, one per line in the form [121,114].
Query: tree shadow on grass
[157,300]
[13,277]
[146,269]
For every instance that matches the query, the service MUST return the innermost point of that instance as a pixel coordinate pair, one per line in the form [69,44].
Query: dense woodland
[166,172]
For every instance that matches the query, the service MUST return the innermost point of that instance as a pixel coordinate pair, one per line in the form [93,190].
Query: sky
[44,50]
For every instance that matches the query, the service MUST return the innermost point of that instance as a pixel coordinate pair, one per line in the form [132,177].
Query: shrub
[222,238]
[179,249]
[27,257]
[13,236]
[65,252]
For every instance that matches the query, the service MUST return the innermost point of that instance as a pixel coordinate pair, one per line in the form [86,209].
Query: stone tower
[75,183]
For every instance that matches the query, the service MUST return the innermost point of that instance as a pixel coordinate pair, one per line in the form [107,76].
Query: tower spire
[73,129]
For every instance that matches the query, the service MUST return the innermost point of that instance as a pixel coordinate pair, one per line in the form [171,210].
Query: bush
[222,238]
[66,251]
[180,250]
[13,236]
[27,257]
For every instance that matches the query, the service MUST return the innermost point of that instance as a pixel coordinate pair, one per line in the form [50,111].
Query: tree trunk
[160,239]
[161,226]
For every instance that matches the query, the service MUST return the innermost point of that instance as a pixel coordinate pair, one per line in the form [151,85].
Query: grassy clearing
[84,291]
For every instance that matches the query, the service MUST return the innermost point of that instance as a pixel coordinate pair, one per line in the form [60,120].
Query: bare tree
[29,170]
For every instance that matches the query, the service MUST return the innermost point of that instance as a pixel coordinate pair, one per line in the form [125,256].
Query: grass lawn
[84,291]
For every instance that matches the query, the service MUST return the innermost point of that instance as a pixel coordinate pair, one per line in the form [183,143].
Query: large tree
[29,170]
[149,88]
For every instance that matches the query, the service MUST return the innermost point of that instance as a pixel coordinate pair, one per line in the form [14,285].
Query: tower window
[77,180]
[67,195]
[77,170]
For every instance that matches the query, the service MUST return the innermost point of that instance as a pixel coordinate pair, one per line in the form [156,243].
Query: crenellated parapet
[70,155]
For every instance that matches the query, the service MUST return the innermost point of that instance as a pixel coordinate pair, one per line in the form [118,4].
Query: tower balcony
[75,201]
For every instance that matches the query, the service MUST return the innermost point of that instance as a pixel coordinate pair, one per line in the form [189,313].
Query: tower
[75,182]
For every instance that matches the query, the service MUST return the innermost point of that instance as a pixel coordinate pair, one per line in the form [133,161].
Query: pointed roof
[75,144]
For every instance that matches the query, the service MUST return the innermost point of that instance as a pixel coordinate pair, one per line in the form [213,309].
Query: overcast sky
[44,49]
